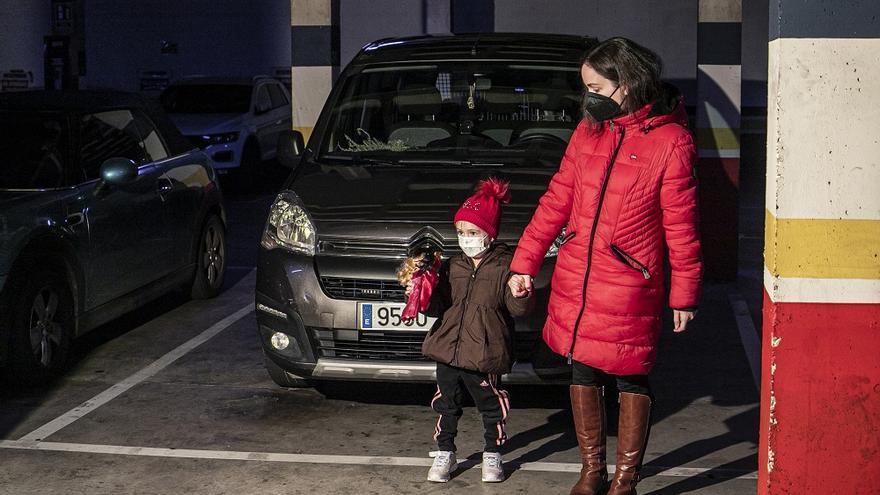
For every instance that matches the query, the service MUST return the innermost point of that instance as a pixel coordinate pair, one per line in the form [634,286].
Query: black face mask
[601,107]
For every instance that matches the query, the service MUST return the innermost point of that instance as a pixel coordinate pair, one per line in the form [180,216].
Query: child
[472,340]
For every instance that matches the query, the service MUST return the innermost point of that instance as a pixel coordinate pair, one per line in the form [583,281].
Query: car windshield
[207,98]
[32,150]
[453,110]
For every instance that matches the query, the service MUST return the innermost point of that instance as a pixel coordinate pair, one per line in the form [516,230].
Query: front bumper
[222,155]
[325,343]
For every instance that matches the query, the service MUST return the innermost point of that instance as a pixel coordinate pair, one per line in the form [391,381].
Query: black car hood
[350,200]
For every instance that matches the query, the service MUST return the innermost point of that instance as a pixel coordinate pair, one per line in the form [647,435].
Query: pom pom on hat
[483,208]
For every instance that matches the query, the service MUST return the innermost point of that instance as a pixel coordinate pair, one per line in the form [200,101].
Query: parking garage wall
[669,28]
[129,42]
[21,39]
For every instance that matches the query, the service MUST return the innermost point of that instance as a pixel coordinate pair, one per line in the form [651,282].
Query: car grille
[398,346]
[362,289]
[388,346]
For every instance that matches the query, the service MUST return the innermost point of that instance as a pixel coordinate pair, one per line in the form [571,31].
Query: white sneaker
[444,465]
[493,468]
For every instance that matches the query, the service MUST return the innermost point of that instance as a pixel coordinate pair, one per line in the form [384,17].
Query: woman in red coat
[624,194]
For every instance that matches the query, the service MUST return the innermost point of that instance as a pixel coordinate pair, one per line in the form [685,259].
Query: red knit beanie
[483,209]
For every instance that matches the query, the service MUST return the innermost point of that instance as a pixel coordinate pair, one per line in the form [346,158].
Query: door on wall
[57,63]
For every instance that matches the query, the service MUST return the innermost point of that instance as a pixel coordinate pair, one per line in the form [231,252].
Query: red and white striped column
[820,390]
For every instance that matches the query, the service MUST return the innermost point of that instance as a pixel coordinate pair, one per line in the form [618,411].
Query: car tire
[41,328]
[283,378]
[210,259]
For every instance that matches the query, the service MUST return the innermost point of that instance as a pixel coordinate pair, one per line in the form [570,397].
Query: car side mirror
[119,171]
[290,148]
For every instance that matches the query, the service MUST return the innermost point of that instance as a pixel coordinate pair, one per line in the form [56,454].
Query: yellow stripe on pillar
[717,138]
[822,248]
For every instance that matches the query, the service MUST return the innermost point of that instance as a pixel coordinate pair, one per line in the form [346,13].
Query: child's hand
[409,288]
[520,285]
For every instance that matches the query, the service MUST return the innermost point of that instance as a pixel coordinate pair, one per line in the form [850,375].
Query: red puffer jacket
[624,192]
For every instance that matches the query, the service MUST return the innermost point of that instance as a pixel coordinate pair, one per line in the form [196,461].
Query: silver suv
[409,128]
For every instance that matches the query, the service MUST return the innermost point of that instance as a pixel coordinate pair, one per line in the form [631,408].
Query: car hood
[206,123]
[376,203]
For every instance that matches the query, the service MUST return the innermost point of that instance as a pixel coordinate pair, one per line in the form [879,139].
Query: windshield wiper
[452,161]
[359,159]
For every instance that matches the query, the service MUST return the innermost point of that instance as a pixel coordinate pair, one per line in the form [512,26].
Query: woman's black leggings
[582,374]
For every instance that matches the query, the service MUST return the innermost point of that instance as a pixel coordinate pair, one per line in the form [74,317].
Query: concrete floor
[212,421]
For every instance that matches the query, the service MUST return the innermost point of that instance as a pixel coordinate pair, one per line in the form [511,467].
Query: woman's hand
[681,319]
[520,285]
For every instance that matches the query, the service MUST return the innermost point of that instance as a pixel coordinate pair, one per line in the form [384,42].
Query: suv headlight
[226,137]
[289,226]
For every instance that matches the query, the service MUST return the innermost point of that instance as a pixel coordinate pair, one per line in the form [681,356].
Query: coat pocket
[565,237]
[630,261]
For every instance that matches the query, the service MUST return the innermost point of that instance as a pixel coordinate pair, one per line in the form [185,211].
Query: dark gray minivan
[104,206]
[409,128]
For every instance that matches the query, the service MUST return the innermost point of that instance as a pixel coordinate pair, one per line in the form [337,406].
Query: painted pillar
[719,33]
[314,34]
[820,397]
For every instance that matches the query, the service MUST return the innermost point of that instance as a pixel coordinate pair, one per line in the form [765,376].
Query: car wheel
[283,378]
[210,260]
[41,327]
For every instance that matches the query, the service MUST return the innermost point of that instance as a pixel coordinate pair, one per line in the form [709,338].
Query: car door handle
[74,219]
[164,186]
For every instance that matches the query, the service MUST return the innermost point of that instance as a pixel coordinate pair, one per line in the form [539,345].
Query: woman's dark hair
[629,64]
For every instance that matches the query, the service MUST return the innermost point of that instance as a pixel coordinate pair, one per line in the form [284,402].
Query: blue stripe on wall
[824,19]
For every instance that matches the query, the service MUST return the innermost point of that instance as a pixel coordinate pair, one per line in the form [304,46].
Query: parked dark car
[104,206]
[410,127]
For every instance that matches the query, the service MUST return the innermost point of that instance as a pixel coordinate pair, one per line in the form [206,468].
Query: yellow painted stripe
[306,132]
[822,248]
[718,138]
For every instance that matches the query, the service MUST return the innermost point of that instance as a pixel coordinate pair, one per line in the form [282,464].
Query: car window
[152,143]
[207,98]
[32,150]
[263,102]
[108,135]
[453,107]
[278,96]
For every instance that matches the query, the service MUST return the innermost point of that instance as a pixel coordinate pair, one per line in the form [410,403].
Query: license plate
[386,316]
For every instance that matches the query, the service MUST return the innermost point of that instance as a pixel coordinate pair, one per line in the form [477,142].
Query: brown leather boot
[632,436]
[588,409]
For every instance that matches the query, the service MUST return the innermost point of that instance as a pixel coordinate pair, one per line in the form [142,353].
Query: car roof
[244,81]
[91,101]
[70,100]
[562,48]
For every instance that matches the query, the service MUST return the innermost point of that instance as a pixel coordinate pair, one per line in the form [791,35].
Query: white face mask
[473,246]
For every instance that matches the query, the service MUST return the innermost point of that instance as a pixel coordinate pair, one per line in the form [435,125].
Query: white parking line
[138,377]
[359,460]
[747,333]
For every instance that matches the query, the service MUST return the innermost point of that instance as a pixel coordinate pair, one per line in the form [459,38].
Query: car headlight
[289,226]
[225,137]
